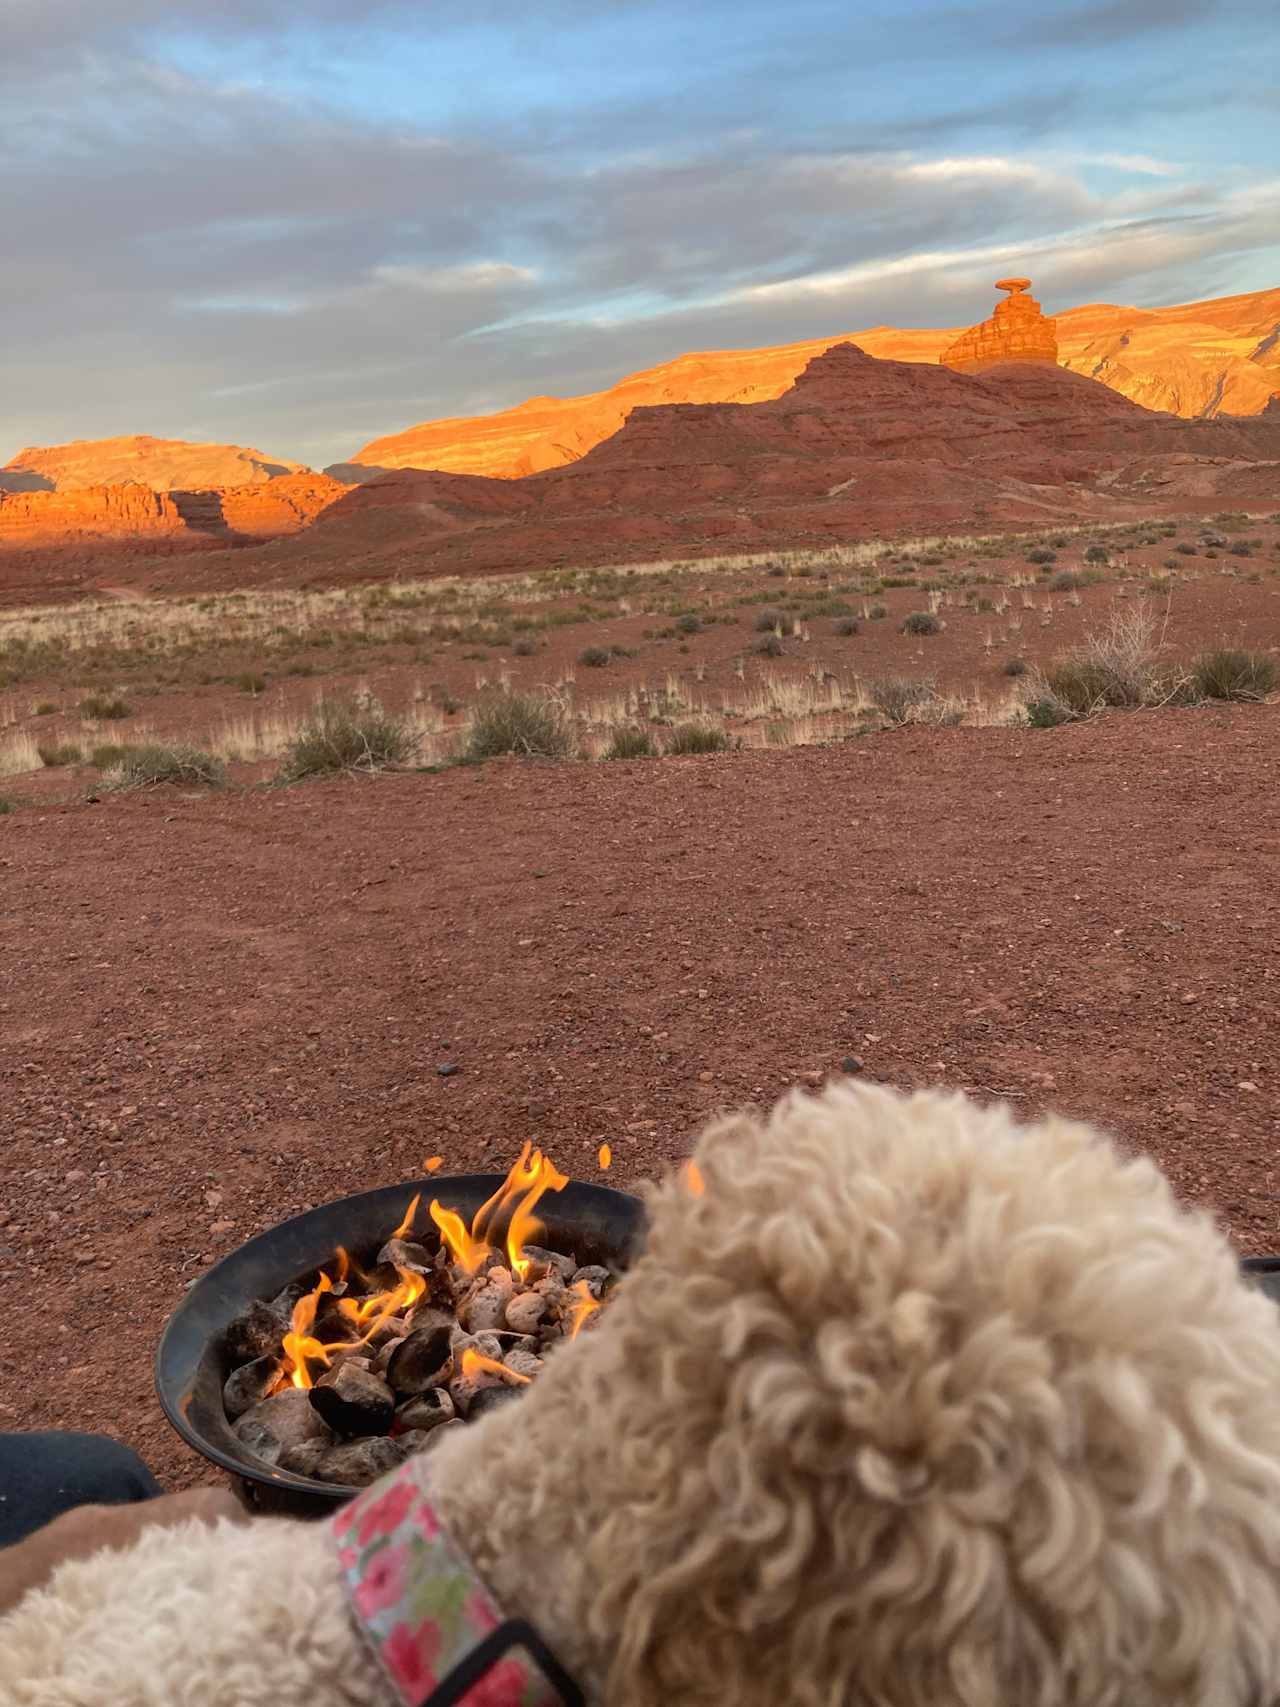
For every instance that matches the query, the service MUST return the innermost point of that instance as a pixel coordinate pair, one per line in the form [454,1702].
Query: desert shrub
[1240,548]
[149,766]
[776,570]
[769,618]
[1047,711]
[1066,581]
[922,622]
[697,738]
[56,753]
[847,625]
[768,646]
[443,696]
[1232,673]
[250,682]
[46,708]
[1042,554]
[6,806]
[594,657]
[1115,666]
[898,697]
[689,623]
[1209,537]
[530,725]
[109,754]
[631,743]
[346,735]
[1016,667]
[1096,554]
[524,647]
[1185,547]
[102,707]
[878,613]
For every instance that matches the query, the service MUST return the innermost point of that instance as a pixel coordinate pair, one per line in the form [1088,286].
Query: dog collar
[429,1621]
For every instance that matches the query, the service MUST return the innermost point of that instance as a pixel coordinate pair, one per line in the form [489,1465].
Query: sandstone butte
[1197,360]
[1016,332]
[164,465]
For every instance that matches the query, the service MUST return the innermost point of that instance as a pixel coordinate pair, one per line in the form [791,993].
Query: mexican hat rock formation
[1016,332]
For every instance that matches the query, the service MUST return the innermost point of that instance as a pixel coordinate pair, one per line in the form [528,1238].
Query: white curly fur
[911,1406]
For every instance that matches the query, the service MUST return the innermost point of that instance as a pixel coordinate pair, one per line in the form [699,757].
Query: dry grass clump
[698,738]
[530,725]
[1230,672]
[346,735]
[152,765]
[898,698]
[631,743]
[54,754]
[104,707]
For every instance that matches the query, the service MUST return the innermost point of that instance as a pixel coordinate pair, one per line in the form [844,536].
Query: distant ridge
[162,465]
[1198,360]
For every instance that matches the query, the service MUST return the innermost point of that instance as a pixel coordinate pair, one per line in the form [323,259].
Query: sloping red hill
[165,465]
[1203,358]
[856,445]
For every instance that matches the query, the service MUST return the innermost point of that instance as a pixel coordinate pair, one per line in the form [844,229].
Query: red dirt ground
[216,1011]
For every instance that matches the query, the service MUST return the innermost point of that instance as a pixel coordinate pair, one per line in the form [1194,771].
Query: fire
[605,1157]
[432,1163]
[298,1344]
[694,1180]
[531,1177]
[475,1363]
[467,1252]
[507,1216]
[409,1214]
[584,1307]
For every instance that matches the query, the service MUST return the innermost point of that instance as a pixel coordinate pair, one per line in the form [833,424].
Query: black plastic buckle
[515,1633]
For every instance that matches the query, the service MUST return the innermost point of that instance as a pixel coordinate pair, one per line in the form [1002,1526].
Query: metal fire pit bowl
[596,1223]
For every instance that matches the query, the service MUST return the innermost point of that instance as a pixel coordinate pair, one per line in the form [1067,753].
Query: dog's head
[909,1404]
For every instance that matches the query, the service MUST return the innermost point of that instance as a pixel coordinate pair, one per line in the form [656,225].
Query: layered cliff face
[1016,332]
[164,465]
[1201,359]
[133,515]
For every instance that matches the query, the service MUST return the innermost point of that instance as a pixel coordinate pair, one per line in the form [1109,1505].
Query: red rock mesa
[1016,332]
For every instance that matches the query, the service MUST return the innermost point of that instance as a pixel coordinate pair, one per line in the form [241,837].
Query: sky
[299,226]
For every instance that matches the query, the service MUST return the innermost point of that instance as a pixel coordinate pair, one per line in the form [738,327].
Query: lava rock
[428,1410]
[851,1064]
[525,1311]
[249,1385]
[275,1425]
[595,1277]
[406,1253]
[256,1331]
[484,1308]
[353,1400]
[356,1463]
[306,1458]
[487,1399]
[447,1069]
[522,1362]
[421,1361]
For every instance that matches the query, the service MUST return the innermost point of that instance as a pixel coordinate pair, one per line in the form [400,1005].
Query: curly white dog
[908,1406]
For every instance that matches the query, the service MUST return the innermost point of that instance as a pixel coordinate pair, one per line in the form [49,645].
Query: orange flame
[465,1250]
[432,1163]
[298,1344]
[606,1157]
[475,1363]
[584,1307]
[532,1175]
[409,1214]
[524,1226]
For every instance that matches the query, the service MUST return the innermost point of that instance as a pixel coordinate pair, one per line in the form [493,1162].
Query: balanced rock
[1017,332]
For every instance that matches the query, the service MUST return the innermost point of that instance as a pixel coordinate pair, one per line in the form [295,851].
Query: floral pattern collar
[429,1621]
